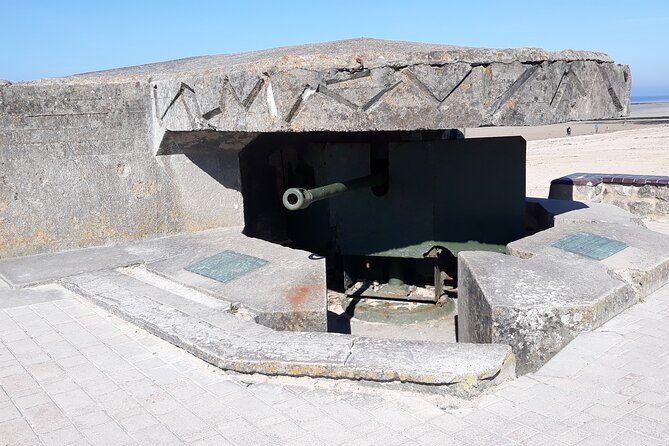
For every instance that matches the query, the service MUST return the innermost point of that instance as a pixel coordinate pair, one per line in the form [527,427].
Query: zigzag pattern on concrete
[497,98]
[365,85]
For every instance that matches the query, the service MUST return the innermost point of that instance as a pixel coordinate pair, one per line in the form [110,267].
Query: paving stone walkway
[70,373]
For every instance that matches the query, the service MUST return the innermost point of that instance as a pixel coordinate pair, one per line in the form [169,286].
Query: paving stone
[346,414]
[301,411]
[223,388]
[215,440]
[117,403]
[654,398]
[20,385]
[107,434]
[542,440]
[270,394]
[285,430]
[541,423]
[62,436]
[644,426]
[157,434]
[60,349]
[492,422]
[136,420]
[328,431]
[17,430]
[448,423]
[9,412]
[606,413]
[413,432]
[28,401]
[159,404]
[603,430]
[98,388]
[46,371]
[521,434]
[185,425]
[474,435]
[63,385]
[628,437]
[659,414]
[382,436]
[12,369]
[210,409]
[46,418]
[234,426]
[438,437]
[252,438]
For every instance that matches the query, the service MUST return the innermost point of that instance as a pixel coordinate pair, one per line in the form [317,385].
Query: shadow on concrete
[339,323]
[222,166]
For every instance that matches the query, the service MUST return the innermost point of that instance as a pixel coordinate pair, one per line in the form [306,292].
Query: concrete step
[212,331]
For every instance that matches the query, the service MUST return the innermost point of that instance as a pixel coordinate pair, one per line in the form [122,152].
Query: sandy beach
[639,151]
[636,145]
[642,115]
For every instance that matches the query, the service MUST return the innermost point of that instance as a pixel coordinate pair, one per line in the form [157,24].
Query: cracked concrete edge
[272,356]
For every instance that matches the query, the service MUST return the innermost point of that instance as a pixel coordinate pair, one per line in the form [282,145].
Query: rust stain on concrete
[297,295]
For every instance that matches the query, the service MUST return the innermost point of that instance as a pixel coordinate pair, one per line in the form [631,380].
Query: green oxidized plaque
[226,266]
[590,245]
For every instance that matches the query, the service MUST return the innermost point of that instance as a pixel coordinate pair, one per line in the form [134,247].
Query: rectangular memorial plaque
[590,245]
[226,266]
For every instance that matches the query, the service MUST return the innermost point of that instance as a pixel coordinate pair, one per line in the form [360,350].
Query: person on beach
[568,131]
[596,127]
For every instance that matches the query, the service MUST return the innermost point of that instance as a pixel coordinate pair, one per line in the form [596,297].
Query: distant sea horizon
[654,98]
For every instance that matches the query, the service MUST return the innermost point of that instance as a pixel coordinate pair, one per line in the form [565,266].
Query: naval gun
[297,198]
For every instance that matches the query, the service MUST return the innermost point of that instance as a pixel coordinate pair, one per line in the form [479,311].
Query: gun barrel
[297,198]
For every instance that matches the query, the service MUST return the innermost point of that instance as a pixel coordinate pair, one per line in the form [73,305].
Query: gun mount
[408,203]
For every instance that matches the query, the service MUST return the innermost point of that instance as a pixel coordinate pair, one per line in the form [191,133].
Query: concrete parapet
[232,344]
[540,296]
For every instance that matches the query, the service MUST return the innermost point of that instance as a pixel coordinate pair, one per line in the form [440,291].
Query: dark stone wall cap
[583,179]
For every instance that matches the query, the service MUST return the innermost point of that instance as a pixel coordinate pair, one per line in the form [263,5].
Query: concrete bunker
[218,140]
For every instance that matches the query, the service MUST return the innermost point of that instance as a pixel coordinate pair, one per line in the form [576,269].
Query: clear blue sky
[56,38]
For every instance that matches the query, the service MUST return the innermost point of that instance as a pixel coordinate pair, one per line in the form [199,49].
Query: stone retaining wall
[643,195]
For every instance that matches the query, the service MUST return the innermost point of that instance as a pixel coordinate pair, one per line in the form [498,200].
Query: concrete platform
[539,297]
[287,293]
[232,343]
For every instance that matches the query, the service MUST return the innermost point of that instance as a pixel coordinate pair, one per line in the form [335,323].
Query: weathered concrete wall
[642,195]
[77,168]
